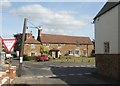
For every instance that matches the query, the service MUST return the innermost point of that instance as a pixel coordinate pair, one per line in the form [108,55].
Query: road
[57,73]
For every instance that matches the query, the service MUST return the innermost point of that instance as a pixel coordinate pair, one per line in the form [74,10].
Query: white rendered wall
[106,29]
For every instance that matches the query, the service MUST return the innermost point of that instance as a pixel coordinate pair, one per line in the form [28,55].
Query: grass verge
[75,59]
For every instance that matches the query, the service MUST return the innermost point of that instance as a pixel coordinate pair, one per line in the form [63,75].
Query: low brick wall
[108,65]
[8,76]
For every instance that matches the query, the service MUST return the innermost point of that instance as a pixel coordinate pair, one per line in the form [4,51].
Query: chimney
[39,34]
[33,36]
[28,35]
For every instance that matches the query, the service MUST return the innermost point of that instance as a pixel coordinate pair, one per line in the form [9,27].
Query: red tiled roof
[50,38]
[31,40]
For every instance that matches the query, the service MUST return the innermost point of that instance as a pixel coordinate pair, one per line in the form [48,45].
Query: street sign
[9,44]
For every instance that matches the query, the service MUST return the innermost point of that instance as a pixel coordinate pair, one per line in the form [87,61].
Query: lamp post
[22,48]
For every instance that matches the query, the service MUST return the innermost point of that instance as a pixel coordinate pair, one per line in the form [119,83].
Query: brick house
[107,40]
[58,44]
[61,44]
[19,40]
[32,47]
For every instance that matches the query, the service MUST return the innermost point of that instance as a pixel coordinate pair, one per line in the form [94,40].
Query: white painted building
[107,29]
[107,39]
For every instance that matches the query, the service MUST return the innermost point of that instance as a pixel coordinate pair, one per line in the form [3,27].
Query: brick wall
[7,77]
[108,65]
[65,47]
[28,49]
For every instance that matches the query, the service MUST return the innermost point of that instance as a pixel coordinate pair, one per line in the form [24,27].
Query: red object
[42,58]
[9,44]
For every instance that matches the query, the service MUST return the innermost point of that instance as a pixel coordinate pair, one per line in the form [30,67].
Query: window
[32,46]
[84,51]
[78,45]
[47,44]
[32,53]
[106,47]
[70,52]
[77,52]
[59,45]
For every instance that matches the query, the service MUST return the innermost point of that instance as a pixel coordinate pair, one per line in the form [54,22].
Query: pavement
[4,67]
[38,73]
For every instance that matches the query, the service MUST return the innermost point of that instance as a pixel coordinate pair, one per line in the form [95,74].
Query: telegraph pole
[22,48]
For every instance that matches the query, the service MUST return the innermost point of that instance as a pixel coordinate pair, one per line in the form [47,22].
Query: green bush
[28,58]
[66,54]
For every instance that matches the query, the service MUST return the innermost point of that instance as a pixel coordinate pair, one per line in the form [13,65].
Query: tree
[44,50]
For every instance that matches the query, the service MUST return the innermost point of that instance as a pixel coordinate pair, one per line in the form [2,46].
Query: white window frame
[32,46]
[85,52]
[59,45]
[32,52]
[71,52]
[47,44]
[76,53]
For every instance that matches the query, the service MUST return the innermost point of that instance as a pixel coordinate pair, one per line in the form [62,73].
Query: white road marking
[48,76]
[46,68]
[65,66]
[77,66]
[71,66]
[54,75]
[87,73]
[39,76]
[89,65]
[93,65]
[83,66]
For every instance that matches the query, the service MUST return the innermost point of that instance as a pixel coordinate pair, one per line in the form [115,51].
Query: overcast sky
[65,18]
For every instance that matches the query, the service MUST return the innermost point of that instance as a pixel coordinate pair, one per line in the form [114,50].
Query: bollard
[11,73]
[14,68]
[7,73]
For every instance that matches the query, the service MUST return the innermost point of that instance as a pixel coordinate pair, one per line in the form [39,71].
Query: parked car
[42,58]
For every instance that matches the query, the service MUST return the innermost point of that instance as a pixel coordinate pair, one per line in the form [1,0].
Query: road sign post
[9,44]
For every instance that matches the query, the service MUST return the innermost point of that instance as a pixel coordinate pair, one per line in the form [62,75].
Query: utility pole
[22,48]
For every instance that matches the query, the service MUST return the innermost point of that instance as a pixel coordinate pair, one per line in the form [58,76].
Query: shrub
[28,58]
[66,54]
[93,53]
[44,50]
